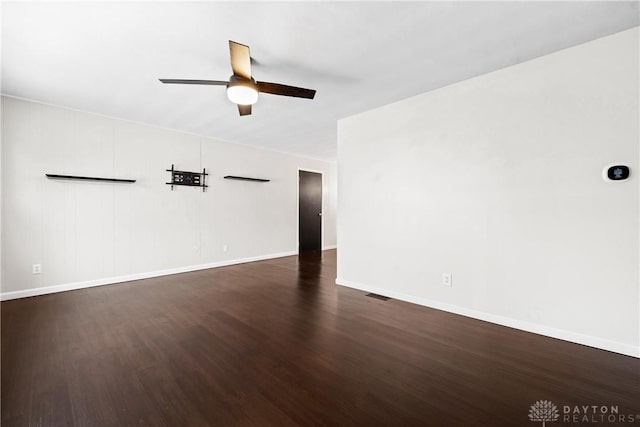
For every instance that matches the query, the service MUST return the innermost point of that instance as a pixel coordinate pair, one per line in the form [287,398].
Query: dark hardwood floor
[277,343]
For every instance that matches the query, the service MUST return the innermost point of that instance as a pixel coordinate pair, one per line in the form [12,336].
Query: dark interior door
[310,211]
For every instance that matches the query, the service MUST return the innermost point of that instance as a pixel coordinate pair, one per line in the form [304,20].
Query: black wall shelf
[244,178]
[87,178]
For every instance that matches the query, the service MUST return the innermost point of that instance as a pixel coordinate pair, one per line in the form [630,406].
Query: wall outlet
[36,269]
[225,248]
[446,279]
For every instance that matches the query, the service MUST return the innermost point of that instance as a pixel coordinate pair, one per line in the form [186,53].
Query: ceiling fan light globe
[242,95]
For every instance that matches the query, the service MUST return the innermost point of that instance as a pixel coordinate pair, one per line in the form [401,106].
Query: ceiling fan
[242,88]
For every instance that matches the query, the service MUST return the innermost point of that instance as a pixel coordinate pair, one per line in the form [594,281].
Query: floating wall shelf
[87,178]
[244,178]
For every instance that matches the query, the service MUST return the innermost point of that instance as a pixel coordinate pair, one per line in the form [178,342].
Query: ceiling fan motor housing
[242,91]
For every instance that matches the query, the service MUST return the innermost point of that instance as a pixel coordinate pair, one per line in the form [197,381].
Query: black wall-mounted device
[618,172]
[190,179]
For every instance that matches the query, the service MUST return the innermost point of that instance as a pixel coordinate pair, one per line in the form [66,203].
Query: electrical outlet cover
[446,279]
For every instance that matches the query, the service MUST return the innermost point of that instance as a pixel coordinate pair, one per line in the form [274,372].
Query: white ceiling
[106,57]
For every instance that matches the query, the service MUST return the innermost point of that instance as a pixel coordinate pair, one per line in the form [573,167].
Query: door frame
[298,207]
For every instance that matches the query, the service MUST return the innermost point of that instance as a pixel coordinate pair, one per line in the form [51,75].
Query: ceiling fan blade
[284,90]
[195,82]
[240,60]
[244,110]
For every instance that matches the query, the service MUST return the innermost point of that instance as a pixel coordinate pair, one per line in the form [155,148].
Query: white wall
[497,180]
[86,233]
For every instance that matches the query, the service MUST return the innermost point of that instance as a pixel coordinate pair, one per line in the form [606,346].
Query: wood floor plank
[277,343]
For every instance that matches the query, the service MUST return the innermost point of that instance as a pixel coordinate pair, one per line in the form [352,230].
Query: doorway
[309,211]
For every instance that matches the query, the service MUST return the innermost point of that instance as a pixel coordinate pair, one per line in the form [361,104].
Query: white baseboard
[548,331]
[137,276]
[327,248]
